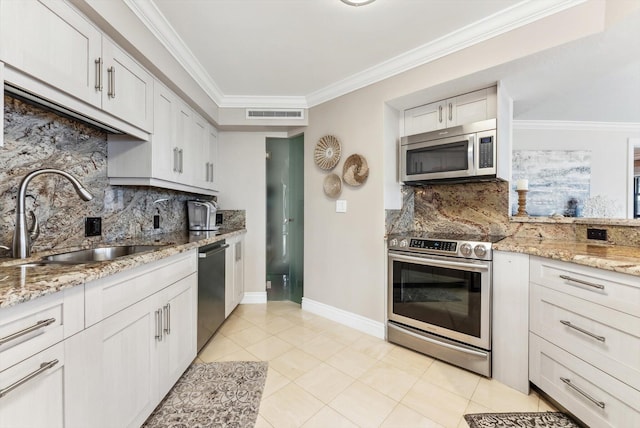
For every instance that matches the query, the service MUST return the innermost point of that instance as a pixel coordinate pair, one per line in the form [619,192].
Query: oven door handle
[443,344]
[438,262]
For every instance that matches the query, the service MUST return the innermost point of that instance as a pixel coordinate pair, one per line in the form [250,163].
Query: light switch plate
[341,206]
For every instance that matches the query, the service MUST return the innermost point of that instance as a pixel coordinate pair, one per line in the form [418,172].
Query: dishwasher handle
[212,252]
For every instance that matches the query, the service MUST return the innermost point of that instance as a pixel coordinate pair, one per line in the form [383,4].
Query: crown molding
[573,125]
[155,21]
[518,15]
[501,22]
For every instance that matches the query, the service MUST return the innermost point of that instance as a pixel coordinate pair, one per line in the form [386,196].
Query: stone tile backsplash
[35,138]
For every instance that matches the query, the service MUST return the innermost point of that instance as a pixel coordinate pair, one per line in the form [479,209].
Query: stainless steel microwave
[463,153]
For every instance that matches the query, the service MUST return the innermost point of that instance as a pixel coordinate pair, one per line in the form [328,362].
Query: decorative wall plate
[332,186]
[327,152]
[355,170]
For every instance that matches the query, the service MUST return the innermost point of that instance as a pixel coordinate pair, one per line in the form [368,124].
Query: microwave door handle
[470,152]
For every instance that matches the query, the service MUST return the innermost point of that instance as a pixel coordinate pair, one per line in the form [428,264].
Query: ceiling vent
[275,114]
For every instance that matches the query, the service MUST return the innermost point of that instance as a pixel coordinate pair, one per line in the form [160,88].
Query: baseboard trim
[358,322]
[254,297]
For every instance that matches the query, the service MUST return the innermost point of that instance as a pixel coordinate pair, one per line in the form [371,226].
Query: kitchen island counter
[617,258]
[22,280]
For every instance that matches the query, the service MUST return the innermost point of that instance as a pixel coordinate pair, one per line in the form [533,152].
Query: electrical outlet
[156,221]
[93,226]
[218,218]
[599,234]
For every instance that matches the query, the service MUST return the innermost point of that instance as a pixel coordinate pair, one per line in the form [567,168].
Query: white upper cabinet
[53,43]
[127,88]
[178,155]
[462,109]
[50,41]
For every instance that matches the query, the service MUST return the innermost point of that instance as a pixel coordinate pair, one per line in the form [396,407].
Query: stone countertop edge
[616,258]
[22,284]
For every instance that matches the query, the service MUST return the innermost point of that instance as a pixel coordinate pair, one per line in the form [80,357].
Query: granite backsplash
[35,138]
[482,208]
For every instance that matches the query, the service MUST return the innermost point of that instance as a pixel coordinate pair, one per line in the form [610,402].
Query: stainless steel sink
[100,254]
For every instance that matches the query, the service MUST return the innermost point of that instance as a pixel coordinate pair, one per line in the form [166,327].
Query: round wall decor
[332,186]
[355,170]
[327,152]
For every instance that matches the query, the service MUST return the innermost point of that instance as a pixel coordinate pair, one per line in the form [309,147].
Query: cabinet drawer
[106,296]
[30,327]
[601,336]
[34,391]
[591,395]
[612,289]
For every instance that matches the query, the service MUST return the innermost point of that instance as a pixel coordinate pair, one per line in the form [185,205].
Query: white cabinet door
[424,118]
[178,345]
[127,88]
[184,134]
[238,270]
[39,400]
[52,42]
[197,152]
[164,152]
[122,372]
[472,107]
[212,165]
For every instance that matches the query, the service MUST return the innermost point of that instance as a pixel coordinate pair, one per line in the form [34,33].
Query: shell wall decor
[327,152]
[355,170]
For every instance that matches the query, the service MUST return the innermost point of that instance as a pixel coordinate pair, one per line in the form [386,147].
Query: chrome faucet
[23,238]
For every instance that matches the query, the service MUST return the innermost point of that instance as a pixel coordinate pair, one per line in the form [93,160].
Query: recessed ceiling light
[357,2]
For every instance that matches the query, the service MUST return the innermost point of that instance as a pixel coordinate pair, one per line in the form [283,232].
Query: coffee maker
[202,215]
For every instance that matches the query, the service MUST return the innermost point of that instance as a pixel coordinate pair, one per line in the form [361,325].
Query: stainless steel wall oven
[439,300]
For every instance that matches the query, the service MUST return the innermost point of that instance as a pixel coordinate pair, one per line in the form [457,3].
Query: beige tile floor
[323,374]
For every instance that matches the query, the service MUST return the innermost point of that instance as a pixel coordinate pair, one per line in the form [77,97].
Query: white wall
[243,187]
[609,156]
[345,253]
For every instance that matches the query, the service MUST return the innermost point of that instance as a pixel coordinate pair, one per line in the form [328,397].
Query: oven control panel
[428,244]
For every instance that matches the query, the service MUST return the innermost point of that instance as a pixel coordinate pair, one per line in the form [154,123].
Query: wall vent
[275,114]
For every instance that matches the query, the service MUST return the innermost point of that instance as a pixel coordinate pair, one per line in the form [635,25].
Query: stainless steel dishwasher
[211,282]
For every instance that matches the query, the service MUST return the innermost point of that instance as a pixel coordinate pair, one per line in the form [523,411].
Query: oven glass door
[444,158]
[442,295]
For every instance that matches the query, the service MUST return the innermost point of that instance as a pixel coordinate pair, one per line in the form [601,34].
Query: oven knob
[404,243]
[465,250]
[480,250]
[393,243]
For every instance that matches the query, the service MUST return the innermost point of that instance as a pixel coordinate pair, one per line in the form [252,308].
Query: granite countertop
[23,283]
[616,258]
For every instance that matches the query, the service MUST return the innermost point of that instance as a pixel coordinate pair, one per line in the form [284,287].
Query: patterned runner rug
[518,420]
[225,394]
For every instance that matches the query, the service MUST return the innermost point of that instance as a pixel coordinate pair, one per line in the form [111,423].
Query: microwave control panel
[485,159]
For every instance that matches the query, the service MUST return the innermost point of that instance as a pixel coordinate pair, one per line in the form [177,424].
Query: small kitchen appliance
[202,215]
[440,297]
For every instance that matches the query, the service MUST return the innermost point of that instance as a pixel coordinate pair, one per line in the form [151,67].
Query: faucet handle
[34,230]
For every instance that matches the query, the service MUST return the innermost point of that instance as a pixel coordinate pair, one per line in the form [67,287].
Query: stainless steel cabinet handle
[181,154]
[175,159]
[166,310]
[440,114]
[158,315]
[211,175]
[207,172]
[27,378]
[450,111]
[36,326]
[600,404]
[98,74]
[579,281]
[581,330]
[112,82]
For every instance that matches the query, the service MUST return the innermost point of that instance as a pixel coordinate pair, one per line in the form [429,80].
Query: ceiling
[299,53]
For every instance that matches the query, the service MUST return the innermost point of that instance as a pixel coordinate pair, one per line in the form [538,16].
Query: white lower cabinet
[32,393]
[234,274]
[584,341]
[125,364]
